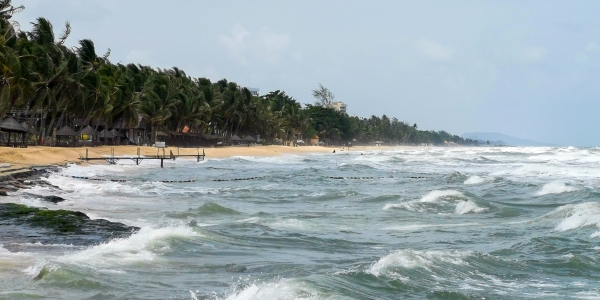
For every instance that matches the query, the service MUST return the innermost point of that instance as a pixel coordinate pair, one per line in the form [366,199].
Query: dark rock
[20,222]
[3,193]
[53,199]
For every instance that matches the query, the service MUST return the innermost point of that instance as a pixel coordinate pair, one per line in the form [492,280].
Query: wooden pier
[112,160]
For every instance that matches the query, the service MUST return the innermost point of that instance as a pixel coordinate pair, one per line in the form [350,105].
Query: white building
[339,106]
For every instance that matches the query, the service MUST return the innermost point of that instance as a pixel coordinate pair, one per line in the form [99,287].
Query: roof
[88,130]
[66,131]
[235,138]
[249,138]
[11,125]
[160,133]
[106,134]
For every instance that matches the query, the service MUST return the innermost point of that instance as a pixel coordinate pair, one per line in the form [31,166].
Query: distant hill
[502,139]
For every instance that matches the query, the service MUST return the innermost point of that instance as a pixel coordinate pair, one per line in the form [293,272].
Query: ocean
[401,223]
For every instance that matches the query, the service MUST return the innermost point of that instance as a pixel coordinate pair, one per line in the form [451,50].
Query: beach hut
[66,131]
[88,130]
[249,139]
[87,134]
[117,134]
[11,125]
[235,140]
[106,134]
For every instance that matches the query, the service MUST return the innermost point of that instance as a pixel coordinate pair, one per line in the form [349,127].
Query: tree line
[50,85]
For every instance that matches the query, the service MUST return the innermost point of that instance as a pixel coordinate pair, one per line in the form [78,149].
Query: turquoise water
[422,223]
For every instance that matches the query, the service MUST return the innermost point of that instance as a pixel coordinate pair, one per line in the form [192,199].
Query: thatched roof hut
[66,131]
[88,130]
[236,138]
[11,125]
[106,134]
[249,138]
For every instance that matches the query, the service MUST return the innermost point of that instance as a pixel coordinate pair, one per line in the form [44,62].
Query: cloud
[263,45]
[434,50]
[532,54]
[237,43]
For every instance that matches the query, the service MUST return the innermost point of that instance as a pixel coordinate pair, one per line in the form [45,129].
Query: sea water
[408,222]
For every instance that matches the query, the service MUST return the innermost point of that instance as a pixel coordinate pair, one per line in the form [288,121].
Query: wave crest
[140,246]
[411,259]
[555,187]
[578,216]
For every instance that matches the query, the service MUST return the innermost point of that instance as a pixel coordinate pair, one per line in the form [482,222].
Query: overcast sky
[529,69]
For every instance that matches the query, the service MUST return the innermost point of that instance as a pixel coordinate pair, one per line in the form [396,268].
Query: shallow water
[438,223]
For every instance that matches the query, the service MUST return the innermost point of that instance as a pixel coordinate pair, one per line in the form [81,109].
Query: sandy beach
[41,156]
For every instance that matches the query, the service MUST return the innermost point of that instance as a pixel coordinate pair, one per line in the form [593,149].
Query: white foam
[465,207]
[423,204]
[282,290]
[436,195]
[140,246]
[555,187]
[473,180]
[410,259]
[578,216]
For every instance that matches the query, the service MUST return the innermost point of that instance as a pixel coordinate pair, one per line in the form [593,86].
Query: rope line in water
[231,179]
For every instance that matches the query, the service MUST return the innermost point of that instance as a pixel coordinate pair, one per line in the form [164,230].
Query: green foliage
[39,74]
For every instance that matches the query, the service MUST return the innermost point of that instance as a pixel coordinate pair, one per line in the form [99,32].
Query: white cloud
[532,54]
[434,50]
[237,43]
[264,45]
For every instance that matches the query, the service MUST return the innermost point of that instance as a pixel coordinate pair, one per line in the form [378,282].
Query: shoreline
[42,156]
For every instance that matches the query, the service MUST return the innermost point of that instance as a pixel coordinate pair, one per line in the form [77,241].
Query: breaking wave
[143,245]
[392,264]
[555,187]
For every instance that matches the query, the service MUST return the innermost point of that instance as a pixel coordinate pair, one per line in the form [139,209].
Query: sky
[529,69]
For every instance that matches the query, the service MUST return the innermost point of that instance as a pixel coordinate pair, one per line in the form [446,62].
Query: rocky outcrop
[20,222]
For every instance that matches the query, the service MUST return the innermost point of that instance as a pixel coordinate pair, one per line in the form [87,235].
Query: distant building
[253,91]
[339,106]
